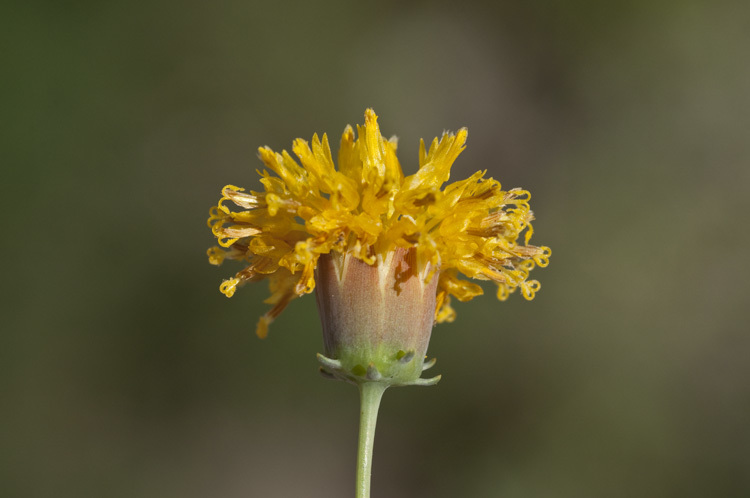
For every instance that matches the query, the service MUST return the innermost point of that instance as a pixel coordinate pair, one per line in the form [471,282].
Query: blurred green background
[125,373]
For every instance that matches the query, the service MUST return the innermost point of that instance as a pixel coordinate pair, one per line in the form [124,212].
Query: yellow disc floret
[367,208]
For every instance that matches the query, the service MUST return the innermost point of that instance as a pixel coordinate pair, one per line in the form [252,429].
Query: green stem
[370,394]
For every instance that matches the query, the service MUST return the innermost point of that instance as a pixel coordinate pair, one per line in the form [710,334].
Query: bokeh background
[125,373]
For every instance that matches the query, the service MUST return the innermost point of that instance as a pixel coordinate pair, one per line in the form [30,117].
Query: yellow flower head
[367,209]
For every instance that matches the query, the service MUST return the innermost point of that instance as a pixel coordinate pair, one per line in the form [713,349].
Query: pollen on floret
[228,287]
[542,258]
[215,256]
[530,288]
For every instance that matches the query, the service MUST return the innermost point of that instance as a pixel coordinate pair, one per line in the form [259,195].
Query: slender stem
[370,394]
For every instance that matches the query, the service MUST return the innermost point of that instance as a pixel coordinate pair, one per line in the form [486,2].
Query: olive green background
[125,373]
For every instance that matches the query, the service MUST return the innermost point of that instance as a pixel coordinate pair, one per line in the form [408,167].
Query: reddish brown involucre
[375,311]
